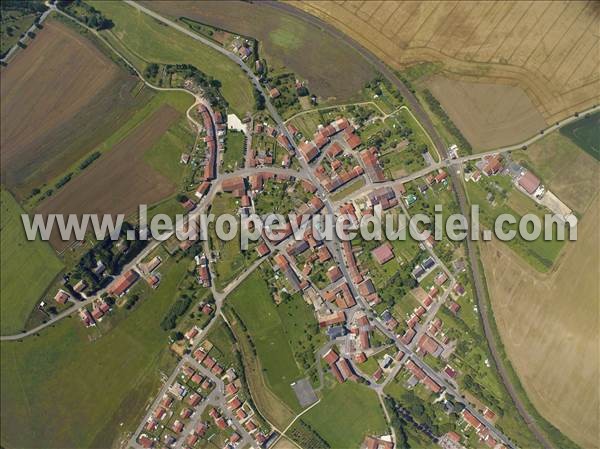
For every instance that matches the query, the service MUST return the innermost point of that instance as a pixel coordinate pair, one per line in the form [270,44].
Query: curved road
[459,192]
[423,118]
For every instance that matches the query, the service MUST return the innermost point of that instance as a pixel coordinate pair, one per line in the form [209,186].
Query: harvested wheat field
[549,49]
[120,180]
[60,97]
[549,324]
[487,113]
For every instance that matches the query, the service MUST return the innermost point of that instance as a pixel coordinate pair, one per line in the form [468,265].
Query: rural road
[33,28]
[458,188]
[423,119]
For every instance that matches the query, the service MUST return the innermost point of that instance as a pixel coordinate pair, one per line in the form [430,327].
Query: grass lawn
[539,253]
[165,154]
[231,259]
[362,415]
[253,303]
[349,190]
[153,41]
[234,151]
[106,377]
[28,268]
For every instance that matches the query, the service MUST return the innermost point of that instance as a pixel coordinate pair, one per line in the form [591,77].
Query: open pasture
[107,375]
[547,49]
[59,98]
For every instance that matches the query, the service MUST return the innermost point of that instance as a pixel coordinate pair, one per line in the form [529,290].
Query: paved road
[26,38]
[460,194]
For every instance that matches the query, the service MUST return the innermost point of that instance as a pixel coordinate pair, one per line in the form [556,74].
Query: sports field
[59,99]
[27,267]
[151,41]
[120,180]
[549,327]
[331,69]
[548,49]
[107,378]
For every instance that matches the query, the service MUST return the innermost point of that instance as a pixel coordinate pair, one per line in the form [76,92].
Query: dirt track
[120,180]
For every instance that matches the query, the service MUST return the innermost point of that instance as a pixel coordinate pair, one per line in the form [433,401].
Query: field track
[119,181]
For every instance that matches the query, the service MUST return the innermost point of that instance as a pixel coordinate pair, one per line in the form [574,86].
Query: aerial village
[376,335]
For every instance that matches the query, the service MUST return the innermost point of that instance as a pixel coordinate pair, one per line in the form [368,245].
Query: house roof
[383,253]
[529,182]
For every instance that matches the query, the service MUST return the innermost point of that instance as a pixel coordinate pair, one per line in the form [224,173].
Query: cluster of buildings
[214,129]
[260,158]
[99,308]
[341,130]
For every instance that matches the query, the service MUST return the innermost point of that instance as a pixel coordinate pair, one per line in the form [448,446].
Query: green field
[586,134]
[232,260]
[233,158]
[539,253]
[254,304]
[28,268]
[286,42]
[164,156]
[148,40]
[346,414]
[106,375]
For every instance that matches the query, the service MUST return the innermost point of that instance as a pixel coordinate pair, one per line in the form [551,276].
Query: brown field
[332,70]
[59,98]
[549,49]
[549,324]
[120,180]
[487,113]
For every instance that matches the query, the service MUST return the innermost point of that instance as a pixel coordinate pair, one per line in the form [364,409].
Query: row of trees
[86,14]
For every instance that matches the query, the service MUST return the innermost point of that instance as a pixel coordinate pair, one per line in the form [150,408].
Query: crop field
[59,99]
[567,171]
[547,323]
[333,71]
[145,40]
[487,113]
[547,49]
[362,415]
[28,268]
[107,377]
[119,181]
